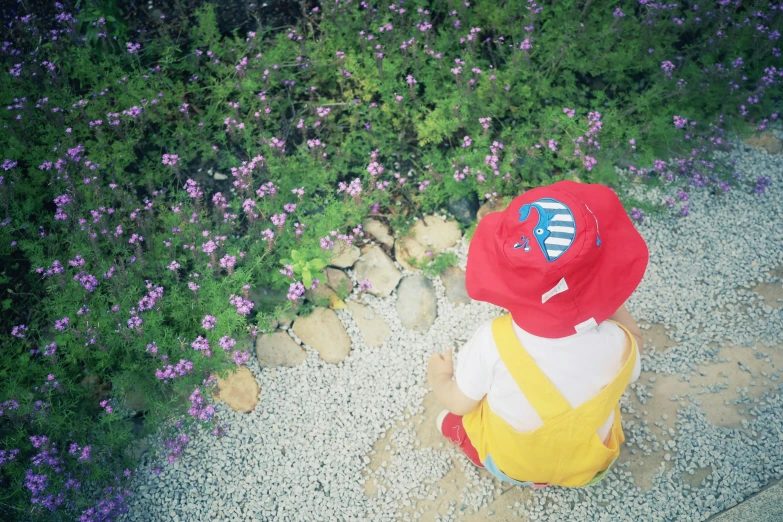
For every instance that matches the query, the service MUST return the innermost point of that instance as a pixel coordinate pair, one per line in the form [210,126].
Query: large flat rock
[278,349]
[379,269]
[417,304]
[373,328]
[345,255]
[239,390]
[324,332]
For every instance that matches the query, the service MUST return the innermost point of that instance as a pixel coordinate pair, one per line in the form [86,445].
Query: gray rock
[464,209]
[416,303]
[454,280]
[323,331]
[375,266]
[278,349]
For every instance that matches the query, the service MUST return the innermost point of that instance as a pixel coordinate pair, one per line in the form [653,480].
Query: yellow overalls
[566,450]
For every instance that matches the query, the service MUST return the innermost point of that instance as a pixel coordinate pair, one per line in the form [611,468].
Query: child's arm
[440,371]
[623,316]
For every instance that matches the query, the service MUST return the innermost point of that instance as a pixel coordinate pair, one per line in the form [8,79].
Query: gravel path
[354,441]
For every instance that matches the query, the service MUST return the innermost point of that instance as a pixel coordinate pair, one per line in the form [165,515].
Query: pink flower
[365,285]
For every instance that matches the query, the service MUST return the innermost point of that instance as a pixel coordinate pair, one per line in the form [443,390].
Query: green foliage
[435,266]
[303,267]
[155,262]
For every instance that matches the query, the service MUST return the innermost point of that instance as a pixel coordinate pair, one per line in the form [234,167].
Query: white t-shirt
[579,366]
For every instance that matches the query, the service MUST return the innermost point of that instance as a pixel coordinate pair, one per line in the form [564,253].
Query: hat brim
[605,286]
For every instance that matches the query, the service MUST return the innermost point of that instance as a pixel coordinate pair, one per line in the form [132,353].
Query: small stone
[767,141]
[278,349]
[324,332]
[219,177]
[436,234]
[454,280]
[379,269]
[239,390]
[379,231]
[321,295]
[345,255]
[494,205]
[464,209]
[374,329]
[338,281]
[416,303]
[406,248]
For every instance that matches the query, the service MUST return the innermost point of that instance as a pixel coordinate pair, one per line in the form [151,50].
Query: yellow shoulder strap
[534,384]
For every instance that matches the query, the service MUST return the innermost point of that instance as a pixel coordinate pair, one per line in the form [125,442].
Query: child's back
[579,366]
[536,398]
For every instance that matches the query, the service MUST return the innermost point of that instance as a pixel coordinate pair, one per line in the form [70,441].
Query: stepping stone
[431,234]
[338,281]
[323,331]
[767,141]
[345,255]
[374,329]
[379,269]
[321,294]
[454,280]
[406,248]
[436,234]
[378,230]
[239,390]
[416,303]
[278,349]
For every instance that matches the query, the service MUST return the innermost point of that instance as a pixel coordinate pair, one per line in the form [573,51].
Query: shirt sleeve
[473,374]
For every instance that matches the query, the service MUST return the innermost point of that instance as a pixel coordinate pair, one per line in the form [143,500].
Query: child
[536,395]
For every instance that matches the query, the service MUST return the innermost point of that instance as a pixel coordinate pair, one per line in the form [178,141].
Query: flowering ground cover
[128,271]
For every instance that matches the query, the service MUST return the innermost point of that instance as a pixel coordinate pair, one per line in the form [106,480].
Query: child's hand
[440,366]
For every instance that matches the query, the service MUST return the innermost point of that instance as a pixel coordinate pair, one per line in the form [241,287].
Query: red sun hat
[561,258]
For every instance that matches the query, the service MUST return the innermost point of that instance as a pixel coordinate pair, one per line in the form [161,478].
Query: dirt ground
[718,407]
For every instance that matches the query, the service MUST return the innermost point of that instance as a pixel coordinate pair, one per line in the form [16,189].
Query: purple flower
[295,291]
[201,345]
[287,271]
[208,322]
[193,189]
[62,324]
[569,112]
[170,159]
[226,342]
[243,305]
[19,330]
[637,215]
[365,285]
[106,405]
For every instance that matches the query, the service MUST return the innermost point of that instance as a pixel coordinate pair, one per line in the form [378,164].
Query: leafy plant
[435,266]
[303,267]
